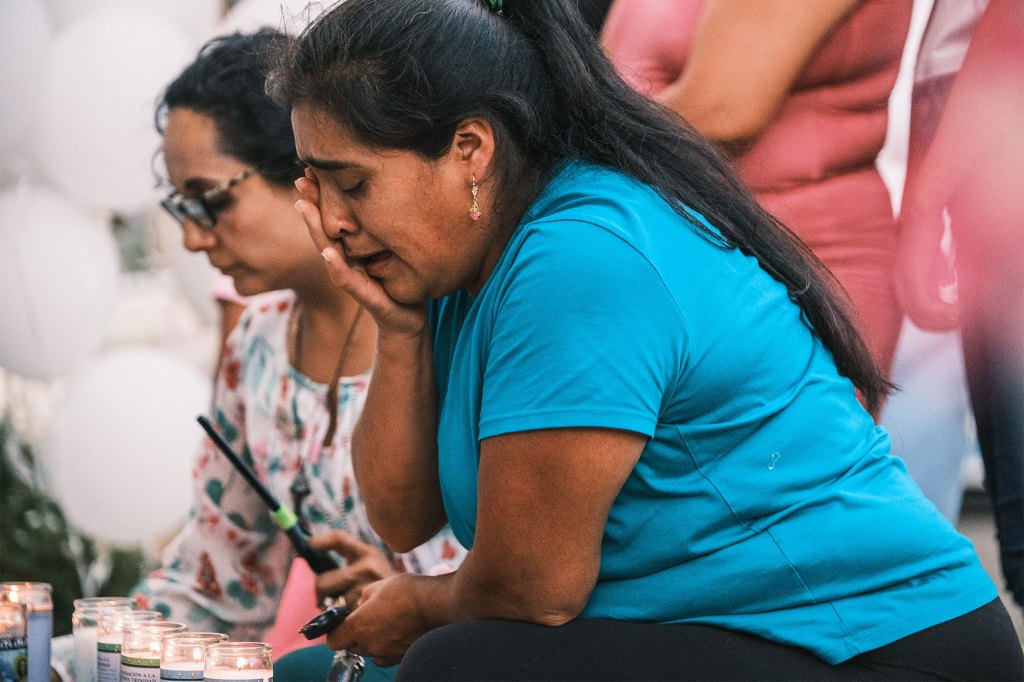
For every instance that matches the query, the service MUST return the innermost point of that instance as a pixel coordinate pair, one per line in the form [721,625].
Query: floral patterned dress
[226,569]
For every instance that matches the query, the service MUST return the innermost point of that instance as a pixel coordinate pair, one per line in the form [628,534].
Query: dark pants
[992,315]
[980,645]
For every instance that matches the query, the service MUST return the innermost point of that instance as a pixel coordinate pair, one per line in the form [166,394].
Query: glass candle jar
[13,645]
[83,628]
[239,661]
[38,605]
[184,654]
[141,646]
[110,636]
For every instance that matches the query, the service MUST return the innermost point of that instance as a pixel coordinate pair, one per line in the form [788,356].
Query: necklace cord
[332,389]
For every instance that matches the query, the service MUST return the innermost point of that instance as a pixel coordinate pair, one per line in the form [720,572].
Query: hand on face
[385,622]
[365,564]
[391,316]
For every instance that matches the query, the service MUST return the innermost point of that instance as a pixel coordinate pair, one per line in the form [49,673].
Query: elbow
[722,120]
[553,615]
[401,535]
[553,605]
[723,127]
[400,543]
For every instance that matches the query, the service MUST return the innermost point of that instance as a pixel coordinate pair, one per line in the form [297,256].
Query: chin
[248,286]
[406,295]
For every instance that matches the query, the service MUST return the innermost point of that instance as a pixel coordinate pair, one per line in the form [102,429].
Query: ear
[473,145]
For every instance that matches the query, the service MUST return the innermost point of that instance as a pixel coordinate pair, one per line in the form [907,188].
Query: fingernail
[325,253]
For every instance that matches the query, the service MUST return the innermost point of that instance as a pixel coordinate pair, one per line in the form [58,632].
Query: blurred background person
[929,418]
[974,169]
[294,374]
[797,92]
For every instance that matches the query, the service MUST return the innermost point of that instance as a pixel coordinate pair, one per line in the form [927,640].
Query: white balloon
[121,444]
[67,12]
[59,272]
[25,34]
[289,16]
[95,137]
[192,16]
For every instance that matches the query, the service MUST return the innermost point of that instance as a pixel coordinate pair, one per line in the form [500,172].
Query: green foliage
[38,544]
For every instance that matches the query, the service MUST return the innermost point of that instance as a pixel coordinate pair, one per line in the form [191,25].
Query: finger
[340,638]
[333,583]
[354,593]
[309,189]
[344,543]
[310,212]
[330,248]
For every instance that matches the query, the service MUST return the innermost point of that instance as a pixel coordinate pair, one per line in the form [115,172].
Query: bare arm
[976,147]
[394,448]
[544,499]
[746,55]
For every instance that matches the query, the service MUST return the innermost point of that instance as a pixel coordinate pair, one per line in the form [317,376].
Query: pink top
[813,167]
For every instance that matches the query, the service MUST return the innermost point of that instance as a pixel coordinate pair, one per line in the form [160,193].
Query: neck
[324,326]
[324,303]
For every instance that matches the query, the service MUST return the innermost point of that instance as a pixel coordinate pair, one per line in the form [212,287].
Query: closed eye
[218,201]
[355,190]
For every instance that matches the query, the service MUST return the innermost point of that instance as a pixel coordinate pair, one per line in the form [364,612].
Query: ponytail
[402,74]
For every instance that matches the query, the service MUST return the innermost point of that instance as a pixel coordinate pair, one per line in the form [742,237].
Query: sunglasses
[202,209]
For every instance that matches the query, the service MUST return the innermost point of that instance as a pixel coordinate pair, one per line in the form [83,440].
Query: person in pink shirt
[973,168]
[797,93]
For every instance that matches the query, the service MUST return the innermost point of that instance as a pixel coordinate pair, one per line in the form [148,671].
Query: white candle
[110,637]
[246,675]
[183,656]
[85,653]
[140,651]
[245,661]
[84,622]
[182,670]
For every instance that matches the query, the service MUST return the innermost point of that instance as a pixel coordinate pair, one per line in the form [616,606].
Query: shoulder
[589,193]
[600,223]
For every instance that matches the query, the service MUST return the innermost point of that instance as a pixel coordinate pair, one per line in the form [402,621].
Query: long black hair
[227,82]
[402,74]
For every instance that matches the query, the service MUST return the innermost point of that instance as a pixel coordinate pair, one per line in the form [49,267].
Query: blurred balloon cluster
[78,158]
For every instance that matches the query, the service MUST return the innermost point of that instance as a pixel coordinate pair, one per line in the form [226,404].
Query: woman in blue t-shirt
[631,392]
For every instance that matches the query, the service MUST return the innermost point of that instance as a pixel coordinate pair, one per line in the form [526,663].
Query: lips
[230,270]
[372,261]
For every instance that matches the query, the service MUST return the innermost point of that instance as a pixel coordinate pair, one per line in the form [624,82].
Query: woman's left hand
[386,621]
[364,564]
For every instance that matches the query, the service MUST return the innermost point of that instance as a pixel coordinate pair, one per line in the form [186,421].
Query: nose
[196,239]
[335,216]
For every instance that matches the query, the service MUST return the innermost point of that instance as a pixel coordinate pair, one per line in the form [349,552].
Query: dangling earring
[474,210]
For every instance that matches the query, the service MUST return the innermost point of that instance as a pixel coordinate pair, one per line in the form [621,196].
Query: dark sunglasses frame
[197,208]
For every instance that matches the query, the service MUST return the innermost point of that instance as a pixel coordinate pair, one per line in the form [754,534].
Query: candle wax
[85,653]
[39,632]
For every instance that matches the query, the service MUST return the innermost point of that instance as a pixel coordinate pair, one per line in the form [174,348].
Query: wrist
[433,600]
[403,347]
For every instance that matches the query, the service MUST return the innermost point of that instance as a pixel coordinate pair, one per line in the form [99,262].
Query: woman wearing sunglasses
[295,370]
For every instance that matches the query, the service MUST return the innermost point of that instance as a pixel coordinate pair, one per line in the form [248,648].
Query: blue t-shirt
[766,499]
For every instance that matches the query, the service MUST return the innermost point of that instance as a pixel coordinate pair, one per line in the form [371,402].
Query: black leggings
[980,645]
